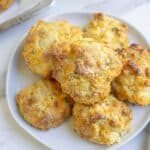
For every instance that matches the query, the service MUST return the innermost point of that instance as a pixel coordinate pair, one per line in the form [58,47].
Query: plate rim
[22,38]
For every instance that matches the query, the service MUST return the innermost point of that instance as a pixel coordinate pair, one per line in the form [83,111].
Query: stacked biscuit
[80,71]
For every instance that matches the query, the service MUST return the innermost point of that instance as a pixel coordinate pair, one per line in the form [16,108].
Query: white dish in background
[63,137]
[21,10]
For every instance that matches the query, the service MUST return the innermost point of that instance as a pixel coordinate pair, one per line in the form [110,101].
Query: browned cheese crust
[43,104]
[102,123]
[39,41]
[133,84]
[86,70]
[107,30]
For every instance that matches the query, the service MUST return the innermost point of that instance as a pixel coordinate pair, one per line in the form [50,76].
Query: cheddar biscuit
[39,41]
[4,4]
[107,30]
[43,104]
[86,70]
[102,123]
[133,84]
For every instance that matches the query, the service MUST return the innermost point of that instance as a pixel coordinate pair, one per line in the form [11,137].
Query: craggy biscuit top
[43,104]
[40,39]
[107,30]
[86,70]
[136,60]
[133,84]
[102,123]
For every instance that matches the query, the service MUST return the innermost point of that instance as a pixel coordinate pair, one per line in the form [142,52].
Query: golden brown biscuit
[40,39]
[102,123]
[107,30]
[43,105]
[86,71]
[4,4]
[133,84]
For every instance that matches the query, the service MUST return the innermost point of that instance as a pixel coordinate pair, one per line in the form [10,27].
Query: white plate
[64,137]
[21,10]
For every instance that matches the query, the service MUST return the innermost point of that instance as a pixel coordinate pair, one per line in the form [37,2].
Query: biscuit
[133,84]
[43,104]
[4,4]
[107,30]
[102,123]
[39,41]
[86,70]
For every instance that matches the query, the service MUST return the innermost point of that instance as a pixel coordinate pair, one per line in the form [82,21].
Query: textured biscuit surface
[40,39]
[102,123]
[133,84]
[86,70]
[4,4]
[43,105]
[107,30]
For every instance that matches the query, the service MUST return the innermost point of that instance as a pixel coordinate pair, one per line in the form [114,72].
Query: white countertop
[11,135]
